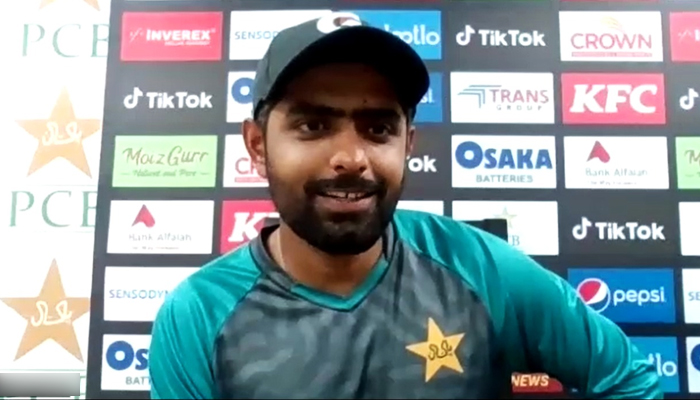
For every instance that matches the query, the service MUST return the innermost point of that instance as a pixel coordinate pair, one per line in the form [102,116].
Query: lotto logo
[243,220]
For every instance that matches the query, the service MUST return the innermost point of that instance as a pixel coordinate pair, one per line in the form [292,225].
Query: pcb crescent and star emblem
[61,135]
[50,316]
[439,351]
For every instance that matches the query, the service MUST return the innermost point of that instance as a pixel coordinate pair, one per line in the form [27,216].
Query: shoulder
[454,244]
[489,266]
[211,294]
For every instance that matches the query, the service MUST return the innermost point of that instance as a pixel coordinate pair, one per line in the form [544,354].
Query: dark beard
[338,234]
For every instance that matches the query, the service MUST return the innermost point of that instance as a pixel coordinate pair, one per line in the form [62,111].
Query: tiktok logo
[687,102]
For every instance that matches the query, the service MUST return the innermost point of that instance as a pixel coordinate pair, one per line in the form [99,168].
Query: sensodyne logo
[335,21]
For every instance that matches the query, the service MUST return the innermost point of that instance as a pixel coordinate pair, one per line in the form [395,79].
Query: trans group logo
[627,295]
[503,162]
[502,98]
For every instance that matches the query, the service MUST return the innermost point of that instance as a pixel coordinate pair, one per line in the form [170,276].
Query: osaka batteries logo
[595,293]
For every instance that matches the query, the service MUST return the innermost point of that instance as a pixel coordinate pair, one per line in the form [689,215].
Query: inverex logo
[627,295]
[613,99]
[171,36]
[420,29]
[685,36]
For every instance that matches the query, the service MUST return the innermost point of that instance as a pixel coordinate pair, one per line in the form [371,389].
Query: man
[348,298]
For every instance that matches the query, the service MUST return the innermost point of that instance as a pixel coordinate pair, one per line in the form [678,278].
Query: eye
[380,129]
[313,126]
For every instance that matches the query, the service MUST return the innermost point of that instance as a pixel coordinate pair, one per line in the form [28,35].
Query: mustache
[345,183]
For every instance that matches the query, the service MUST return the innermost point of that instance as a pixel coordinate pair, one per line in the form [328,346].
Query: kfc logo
[242,220]
[685,36]
[613,99]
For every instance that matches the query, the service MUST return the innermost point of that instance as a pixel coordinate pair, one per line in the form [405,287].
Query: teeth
[346,195]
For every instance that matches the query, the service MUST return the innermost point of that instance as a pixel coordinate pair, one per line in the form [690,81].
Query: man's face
[334,154]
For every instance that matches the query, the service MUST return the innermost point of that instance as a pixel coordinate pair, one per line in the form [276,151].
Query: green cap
[339,37]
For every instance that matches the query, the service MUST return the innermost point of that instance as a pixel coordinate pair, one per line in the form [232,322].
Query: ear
[410,140]
[255,144]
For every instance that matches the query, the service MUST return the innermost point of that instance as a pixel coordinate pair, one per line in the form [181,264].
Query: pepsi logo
[695,357]
[595,293]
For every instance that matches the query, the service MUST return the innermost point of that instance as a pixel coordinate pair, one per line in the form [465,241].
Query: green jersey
[448,312]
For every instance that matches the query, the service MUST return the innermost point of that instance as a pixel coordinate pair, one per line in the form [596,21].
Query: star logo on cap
[333,22]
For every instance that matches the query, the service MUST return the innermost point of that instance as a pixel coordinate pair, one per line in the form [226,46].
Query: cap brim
[381,50]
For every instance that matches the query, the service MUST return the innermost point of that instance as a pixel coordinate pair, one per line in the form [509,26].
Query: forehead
[342,86]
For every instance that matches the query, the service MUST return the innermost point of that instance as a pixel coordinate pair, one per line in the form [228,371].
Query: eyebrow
[304,108]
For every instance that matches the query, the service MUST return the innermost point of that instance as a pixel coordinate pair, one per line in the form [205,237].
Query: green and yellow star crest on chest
[438,351]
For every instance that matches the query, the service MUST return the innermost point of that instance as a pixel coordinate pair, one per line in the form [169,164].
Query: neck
[338,275]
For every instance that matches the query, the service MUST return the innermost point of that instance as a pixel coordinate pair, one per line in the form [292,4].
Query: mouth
[346,201]
[346,195]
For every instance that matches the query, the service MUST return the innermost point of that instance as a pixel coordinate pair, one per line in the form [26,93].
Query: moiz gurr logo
[505,38]
[604,230]
[164,100]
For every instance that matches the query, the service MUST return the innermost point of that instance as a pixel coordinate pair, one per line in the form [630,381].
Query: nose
[350,153]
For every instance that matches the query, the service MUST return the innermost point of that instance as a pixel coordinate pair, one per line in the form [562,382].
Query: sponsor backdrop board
[576,121]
